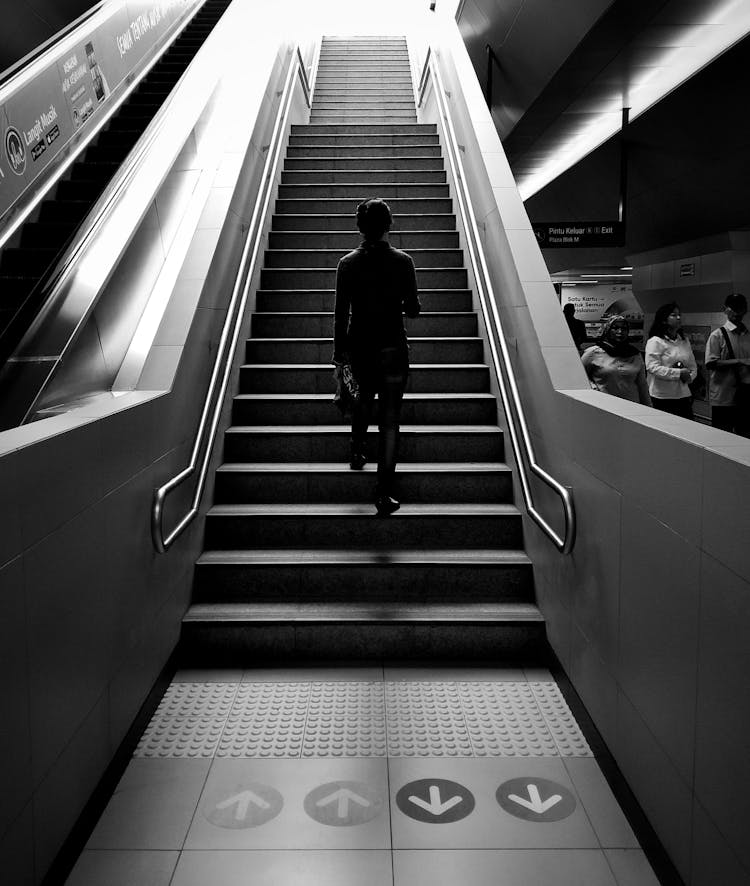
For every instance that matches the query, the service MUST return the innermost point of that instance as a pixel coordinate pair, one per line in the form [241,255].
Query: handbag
[347,388]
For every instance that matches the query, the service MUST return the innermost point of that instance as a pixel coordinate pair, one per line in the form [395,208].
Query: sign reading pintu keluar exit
[571,234]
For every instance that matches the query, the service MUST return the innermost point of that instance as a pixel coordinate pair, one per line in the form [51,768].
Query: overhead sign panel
[579,234]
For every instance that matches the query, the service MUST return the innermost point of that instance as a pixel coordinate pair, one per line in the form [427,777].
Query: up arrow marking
[242,802]
[435,807]
[535,803]
[344,797]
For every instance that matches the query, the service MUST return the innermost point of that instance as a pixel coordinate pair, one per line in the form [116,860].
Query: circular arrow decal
[435,800]
[342,804]
[249,806]
[535,799]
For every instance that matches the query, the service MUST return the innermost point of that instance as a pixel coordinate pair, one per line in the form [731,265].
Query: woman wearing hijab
[614,366]
[375,285]
[670,364]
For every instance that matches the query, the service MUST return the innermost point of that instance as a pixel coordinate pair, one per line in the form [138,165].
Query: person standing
[728,365]
[614,366]
[670,363]
[375,285]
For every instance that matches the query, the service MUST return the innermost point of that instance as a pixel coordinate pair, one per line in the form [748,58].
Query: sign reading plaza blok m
[572,234]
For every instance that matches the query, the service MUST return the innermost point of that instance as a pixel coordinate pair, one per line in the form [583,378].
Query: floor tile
[488,826]
[152,806]
[362,867]
[96,867]
[508,867]
[238,810]
[312,675]
[604,812]
[631,867]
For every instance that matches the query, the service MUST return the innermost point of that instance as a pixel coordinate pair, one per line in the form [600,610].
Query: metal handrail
[523,448]
[207,428]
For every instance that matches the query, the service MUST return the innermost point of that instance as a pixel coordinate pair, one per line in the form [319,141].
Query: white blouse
[662,374]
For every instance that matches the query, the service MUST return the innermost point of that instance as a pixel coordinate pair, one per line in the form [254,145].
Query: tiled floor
[367,776]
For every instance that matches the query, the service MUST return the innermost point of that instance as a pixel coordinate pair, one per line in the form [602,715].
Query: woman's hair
[609,322]
[659,326]
[374,218]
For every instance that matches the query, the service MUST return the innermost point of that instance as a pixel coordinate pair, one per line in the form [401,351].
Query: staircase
[295,562]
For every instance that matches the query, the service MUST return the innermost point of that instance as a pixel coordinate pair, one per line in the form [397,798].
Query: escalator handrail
[523,447]
[213,403]
[53,280]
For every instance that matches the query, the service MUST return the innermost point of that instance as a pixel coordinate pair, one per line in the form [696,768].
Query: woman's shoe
[386,504]
[357,461]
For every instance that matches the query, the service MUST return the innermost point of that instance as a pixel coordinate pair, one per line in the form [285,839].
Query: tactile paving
[560,720]
[364,719]
[189,721]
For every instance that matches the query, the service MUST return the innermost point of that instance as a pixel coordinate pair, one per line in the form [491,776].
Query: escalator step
[17,262]
[14,290]
[36,235]
[56,211]
[81,189]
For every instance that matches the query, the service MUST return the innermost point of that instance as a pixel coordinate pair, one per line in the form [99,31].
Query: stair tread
[334,467]
[373,556]
[314,612]
[358,509]
[345,429]
[455,366]
[327,396]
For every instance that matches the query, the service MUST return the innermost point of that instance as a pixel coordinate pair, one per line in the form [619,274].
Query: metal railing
[523,447]
[214,401]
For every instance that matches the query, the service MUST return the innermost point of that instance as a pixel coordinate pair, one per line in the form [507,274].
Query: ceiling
[562,80]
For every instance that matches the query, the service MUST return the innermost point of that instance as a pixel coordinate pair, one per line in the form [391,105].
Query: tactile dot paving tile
[562,724]
[266,720]
[188,721]
[345,719]
[426,719]
[504,720]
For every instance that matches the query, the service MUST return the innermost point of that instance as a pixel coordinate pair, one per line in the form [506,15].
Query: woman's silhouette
[375,285]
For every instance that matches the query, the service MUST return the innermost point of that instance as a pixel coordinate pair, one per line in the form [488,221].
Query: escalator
[25,268]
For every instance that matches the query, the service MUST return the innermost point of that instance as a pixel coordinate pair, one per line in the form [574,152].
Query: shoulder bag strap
[730,349]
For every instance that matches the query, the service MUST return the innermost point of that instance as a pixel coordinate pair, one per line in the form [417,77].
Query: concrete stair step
[415,221]
[348,239]
[319,350]
[367,151]
[319,300]
[355,190]
[332,575]
[350,526]
[364,129]
[329,258]
[317,324]
[421,409]
[417,138]
[322,482]
[414,161]
[321,278]
[343,205]
[330,443]
[360,116]
[265,378]
[244,634]
[367,177]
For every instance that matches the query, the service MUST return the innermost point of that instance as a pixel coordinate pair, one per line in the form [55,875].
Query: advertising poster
[38,125]
[12,160]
